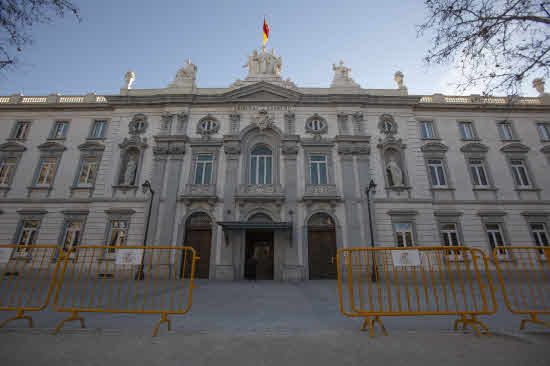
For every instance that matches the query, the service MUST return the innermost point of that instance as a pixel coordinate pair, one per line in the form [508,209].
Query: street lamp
[371,189]
[146,186]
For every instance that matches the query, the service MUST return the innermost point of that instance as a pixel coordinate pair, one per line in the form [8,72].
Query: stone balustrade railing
[53,99]
[478,99]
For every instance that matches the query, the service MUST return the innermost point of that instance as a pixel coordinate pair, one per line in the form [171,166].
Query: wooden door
[322,249]
[198,235]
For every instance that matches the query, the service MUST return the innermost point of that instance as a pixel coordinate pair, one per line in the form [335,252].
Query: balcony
[199,192]
[260,192]
[321,192]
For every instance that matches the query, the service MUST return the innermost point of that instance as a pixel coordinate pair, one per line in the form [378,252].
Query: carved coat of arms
[263,120]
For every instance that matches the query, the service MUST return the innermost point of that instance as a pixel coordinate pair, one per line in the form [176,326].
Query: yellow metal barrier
[388,281]
[104,279]
[27,278]
[524,275]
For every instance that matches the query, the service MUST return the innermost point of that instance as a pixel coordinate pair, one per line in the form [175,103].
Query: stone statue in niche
[394,173]
[130,171]
[129,79]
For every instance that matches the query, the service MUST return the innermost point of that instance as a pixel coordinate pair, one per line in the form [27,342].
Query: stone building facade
[267,169]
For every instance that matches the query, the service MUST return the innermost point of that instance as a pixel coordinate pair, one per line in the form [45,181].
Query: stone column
[233,252]
[290,153]
[235,126]
[352,226]
[174,167]
[157,183]
[363,169]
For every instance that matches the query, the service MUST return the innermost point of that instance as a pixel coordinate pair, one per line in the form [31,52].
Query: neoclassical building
[267,169]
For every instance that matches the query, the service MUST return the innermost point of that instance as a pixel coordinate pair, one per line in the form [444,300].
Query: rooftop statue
[264,63]
[342,76]
[129,79]
[186,76]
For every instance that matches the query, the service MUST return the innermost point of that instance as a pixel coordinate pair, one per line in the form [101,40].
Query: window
[427,130]
[7,168]
[544,131]
[27,236]
[72,235]
[98,129]
[46,171]
[203,169]
[540,235]
[403,234]
[117,234]
[21,130]
[437,173]
[88,172]
[449,235]
[467,130]
[479,176]
[519,171]
[496,238]
[318,169]
[59,130]
[260,165]
[505,130]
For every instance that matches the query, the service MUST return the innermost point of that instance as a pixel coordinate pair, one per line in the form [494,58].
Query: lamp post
[371,189]
[146,186]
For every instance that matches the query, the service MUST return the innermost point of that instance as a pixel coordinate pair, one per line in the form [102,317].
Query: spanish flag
[266,31]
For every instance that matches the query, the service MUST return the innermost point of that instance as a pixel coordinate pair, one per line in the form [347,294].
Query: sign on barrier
[107,279]
[385,281]
[27,279]
[524,275]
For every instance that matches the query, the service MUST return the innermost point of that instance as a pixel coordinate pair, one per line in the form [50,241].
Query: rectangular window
[519,171]
[260,169]
[72,235]
[7,169]
[28,233]
[496,238]
[449,235]
[59,130]
[88,172]
[427,130]
[117,234]
[403,234]
[540,235]
[318,169]
[467,130]
[437,173]
[505,130]
[98,129]
[544,131]
[479,176]
[203,169]
[46,171]
[21,130]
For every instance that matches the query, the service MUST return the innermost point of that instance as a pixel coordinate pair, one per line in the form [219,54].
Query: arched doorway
[259,251]
[321,239]
[198,235]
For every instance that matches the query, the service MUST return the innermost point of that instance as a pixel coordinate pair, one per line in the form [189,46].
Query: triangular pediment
[12,147]
[262,92]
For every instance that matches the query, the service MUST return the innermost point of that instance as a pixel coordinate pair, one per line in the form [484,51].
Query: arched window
[261,159]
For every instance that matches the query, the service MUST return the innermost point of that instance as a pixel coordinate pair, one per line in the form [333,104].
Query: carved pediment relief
[263,92]
[434,147]
[474,147]
[91,146]
[52,146]
[12,147]
[515,147]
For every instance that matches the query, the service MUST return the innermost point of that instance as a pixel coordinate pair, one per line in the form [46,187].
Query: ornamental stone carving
[290,148]
[169,145]
[232,147]
[166,122]
[263,119]
[290,123]
[263,63]
[342,78]
[129,79]
[235,119]
[538,84]
[208,126]
[186,76]
[183,119]
[387,125]
[343,127]
[316,125]
[138,125]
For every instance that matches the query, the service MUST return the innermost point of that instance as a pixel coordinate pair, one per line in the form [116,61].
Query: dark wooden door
[321,251]
[260,246]
[200,239]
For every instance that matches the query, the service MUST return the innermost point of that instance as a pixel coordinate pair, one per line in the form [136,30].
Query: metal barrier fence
[106,279]
[524,275]
[27,279]
[385,281]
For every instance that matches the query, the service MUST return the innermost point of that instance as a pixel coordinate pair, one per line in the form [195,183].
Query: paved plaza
[268,323]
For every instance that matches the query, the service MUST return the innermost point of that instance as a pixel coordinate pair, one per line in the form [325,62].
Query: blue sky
[154,38]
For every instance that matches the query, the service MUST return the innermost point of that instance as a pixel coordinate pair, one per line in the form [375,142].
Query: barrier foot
[163,319]
[74,316]
[533,319]
[368,322]
[19,315]
[473,322]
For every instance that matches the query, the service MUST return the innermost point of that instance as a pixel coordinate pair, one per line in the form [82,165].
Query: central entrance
[259,255]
